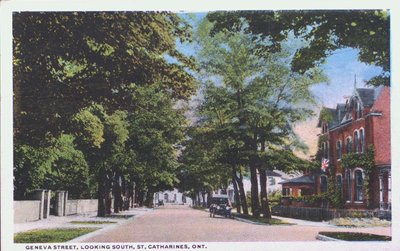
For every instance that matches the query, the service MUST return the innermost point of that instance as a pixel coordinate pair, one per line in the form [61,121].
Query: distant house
[274,178]
[171,196]
[362,121]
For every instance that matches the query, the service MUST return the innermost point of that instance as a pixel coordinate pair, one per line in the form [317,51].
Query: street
[174,223]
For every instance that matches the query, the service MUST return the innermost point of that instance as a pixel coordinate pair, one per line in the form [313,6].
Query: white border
[7,7]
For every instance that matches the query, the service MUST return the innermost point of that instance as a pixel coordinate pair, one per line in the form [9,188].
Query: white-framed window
[349,145]
[359,184]
[362,140]
[358,111]
[339,182]
[356,142]
[339,149]
[348,185]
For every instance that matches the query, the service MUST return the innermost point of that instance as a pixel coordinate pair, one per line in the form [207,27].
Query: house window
[286,192]
[362,141]
[358,176]
[339,182]
[339,149]
[348,145]
[324,184]
[356,146]
[348,185]
[359,111]
[325,150]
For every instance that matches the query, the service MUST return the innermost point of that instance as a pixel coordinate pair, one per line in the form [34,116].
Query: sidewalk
[305,222]
[65,221]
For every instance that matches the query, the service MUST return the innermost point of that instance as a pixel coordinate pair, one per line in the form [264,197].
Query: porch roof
[305,179]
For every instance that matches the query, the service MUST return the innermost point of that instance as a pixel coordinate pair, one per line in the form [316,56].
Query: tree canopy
[95,93]
[324,31]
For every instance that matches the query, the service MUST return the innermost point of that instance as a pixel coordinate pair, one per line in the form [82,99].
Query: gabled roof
[305,179]
[366,95]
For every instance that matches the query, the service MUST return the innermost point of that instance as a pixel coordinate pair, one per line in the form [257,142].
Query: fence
[80,206]
[35,209]
[26,210]
[319,214]
[39,207]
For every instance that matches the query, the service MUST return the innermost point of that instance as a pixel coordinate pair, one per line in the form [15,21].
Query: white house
[171,196]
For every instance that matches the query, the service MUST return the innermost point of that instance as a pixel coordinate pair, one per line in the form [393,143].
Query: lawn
[93,222]
[51,235]
[354,236]
[360,222]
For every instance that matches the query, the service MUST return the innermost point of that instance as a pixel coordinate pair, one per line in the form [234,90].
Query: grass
[120,216]
[360,222]
[273,221]
[92,222]
[51,235]
[350,236]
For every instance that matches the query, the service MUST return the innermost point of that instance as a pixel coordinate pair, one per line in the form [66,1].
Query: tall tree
[74,74]
[260,96]
[324,31]
[65,61]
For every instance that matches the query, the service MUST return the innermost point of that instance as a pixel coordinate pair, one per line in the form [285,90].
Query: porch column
[381,201]
[389,192]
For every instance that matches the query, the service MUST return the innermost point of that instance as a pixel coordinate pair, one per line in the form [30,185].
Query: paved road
[183,224]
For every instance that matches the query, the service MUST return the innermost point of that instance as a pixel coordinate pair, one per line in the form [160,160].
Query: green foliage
[78,58]
[60,166]
[352,236]
[323,31]
[91,128]
[78,111]
[57,235]
[366,161]
[334,194]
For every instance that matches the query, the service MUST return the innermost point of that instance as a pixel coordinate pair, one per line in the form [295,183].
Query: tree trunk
[255,202]
[264,195]
[198,199]
[236,190]
[242,194]
[101,198]
[117,192]
[203,196]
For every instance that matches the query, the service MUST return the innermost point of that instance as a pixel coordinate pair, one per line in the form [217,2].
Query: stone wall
[26,210]
[80,206]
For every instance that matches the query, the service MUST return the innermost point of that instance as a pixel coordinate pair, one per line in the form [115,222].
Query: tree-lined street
[176,223]
[120,106]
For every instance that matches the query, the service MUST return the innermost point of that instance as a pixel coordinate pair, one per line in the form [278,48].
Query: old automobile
[220,205]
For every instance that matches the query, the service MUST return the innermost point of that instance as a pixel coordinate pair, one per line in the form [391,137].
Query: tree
[259,97]
[105,158]
[76,73]
[59,166]
[65,61]
[156,129]
[324,31]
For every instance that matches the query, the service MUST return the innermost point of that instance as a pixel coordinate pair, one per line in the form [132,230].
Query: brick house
[362,121]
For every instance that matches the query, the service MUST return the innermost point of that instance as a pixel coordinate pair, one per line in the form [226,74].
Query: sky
[342,68]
